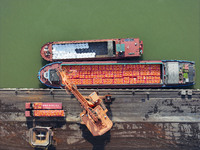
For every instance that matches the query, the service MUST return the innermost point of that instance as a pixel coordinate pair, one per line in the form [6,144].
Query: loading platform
[166,118]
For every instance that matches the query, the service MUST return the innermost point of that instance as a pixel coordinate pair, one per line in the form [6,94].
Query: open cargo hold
[120,74]
[92,49]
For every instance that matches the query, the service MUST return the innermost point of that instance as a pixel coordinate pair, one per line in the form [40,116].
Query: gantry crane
[94,111]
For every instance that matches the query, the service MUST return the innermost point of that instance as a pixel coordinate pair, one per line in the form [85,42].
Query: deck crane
[94,111]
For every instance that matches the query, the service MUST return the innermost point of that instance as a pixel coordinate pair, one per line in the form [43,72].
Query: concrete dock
[143,119]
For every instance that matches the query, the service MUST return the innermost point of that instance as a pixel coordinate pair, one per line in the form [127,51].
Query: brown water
[170,29]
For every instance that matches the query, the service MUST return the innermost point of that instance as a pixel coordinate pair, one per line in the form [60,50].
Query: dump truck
[94,111]
[44,113]
[40,105]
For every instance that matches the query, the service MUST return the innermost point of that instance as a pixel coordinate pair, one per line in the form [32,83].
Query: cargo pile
[48,113]
[115,74]
[39,109]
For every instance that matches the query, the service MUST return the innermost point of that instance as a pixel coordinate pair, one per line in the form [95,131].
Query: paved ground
[143,119]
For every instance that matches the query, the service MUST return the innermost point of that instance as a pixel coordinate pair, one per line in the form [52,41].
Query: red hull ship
[92,49]
[121,74]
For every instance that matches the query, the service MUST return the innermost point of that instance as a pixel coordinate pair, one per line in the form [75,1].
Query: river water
[170,29]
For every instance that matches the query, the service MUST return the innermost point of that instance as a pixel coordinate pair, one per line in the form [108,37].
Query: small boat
[92,49]
[121,74]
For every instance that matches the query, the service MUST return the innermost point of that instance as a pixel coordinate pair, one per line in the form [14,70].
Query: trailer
[45,113]
[40,105]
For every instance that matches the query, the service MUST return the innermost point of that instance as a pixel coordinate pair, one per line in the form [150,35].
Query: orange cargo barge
[121,74]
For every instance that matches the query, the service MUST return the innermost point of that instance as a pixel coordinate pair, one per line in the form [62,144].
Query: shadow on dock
[46,122]
[98,142]
[49,148]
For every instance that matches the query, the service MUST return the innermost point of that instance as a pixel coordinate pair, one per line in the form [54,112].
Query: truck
[44,113]
[41,105]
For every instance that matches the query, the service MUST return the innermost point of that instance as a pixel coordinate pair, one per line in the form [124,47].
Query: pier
[143,118]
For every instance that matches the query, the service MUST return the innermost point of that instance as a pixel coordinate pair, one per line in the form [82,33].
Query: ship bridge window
[120,47]
[127,40]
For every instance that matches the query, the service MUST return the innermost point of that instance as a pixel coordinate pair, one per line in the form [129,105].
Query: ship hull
[121,74]
[104,49]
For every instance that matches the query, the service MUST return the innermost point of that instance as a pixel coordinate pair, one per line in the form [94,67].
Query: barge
[92,49]
[121,74]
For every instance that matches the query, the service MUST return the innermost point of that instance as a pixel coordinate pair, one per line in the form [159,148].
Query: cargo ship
[121,74]
[92,49]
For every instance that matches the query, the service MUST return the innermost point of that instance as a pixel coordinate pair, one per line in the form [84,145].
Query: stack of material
[49,113]
[115,74]
[63,51]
